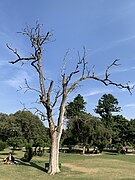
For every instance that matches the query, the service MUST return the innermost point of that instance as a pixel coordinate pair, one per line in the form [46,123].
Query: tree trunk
[84,148]
[54,154]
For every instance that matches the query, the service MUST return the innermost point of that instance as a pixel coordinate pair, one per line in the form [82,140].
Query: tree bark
[84,149]
[54,154]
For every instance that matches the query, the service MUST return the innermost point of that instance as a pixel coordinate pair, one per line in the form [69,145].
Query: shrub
[29,153]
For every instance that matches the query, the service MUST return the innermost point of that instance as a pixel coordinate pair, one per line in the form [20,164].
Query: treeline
[23,127]
[108,130]
[82,128]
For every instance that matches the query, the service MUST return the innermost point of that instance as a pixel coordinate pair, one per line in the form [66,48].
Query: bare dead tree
[68,84]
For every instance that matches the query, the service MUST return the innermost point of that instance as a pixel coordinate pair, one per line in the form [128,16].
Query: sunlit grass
[81,167]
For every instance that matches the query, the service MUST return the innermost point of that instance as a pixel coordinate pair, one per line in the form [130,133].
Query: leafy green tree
[22,126]
[82,124]
[8,127]
[31,126]
[3,117]
[76,107]
[131,132]
[120,128]
[101,136]
[90,130]
[16,142]
[106,106]
[75,112]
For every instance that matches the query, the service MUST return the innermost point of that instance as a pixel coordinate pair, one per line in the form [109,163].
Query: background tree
[16,142]
[76,107]
[120,127]
[77,120]
[90,130]
[74,110]
[22,127]
[31,127]
[68,84]
[106,106]
[101,136]
[82,124]
[130,132]
[8,127]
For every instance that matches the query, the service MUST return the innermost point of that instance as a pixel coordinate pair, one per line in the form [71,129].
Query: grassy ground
[74,167]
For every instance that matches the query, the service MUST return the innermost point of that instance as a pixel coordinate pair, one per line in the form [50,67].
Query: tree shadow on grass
[32,164]
[37,166]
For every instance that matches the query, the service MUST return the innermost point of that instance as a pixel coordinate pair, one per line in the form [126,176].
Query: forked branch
[19,58]
[85,73]
[29,88]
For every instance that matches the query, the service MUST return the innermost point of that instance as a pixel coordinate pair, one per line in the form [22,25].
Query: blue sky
[105,27]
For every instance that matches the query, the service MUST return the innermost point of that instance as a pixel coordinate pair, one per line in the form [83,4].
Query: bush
[2,145]
[29,153]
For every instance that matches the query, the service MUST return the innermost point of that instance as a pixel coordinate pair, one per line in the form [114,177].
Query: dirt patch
[80,169]
[92,154]
[132,154]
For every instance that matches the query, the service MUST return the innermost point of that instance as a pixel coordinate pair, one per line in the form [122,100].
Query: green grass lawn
[82,167]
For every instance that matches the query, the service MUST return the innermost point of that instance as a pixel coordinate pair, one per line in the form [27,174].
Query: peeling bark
[54,154]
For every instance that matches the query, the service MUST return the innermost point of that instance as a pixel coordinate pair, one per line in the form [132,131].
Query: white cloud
[96,92]
[125,39]
[113,44]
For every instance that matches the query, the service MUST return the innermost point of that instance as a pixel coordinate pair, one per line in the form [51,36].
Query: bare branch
[19,58]
[23,104]
[93,72]
[82,68]
[63,68]
[84,62]
[30,88]
[88,71]
[47,37]
[58,94]
[81,62]
[71,74]
[40,113]
[49,92]
[35,66]
[106,81]
[36,37]
[110,66]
